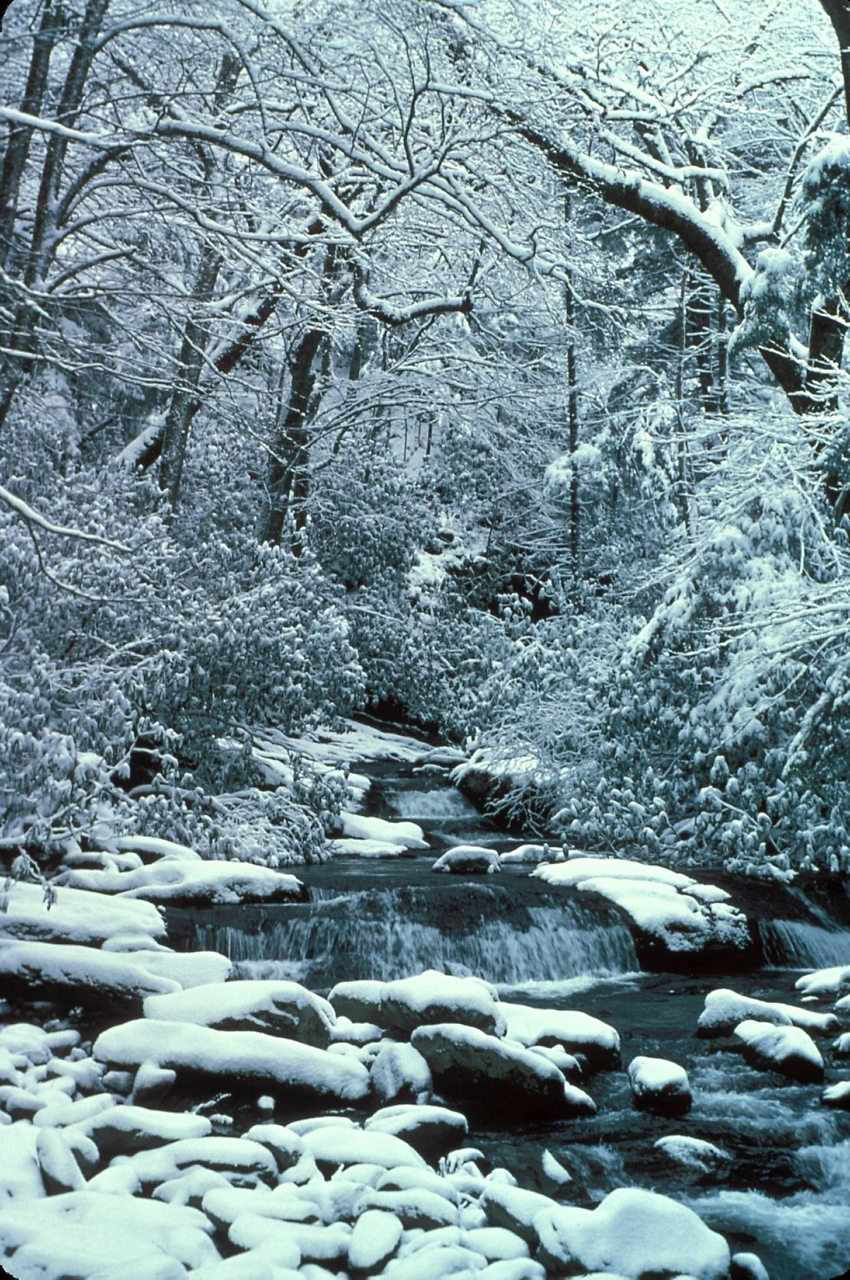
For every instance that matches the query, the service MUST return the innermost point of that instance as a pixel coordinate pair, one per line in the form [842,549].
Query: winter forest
[473,368]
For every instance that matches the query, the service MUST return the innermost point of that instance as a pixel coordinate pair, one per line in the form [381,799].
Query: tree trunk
[288,482]
[572,416]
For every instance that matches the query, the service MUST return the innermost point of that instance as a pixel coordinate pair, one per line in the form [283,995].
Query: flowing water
[783,1192]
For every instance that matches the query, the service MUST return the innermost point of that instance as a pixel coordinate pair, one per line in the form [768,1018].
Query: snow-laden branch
[31,516]
[53,126]
[389,313]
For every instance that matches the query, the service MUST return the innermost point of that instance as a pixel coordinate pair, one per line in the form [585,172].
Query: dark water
[784,1191]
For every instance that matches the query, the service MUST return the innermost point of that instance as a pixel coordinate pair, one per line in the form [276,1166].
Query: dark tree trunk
[288,483]
[573,421]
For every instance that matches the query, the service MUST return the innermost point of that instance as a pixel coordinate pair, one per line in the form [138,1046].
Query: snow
[656,900]
[338,1146]
[825,981]
[280,1007]
[413,1206]
[837,1095]
[20,1177]
[71,1235]
[81,974]
[470,1063]
[359,827]
[633,1232]
[76,916]
[399,1070]
[533,853]
[577,1032]
[693,1153]
[514,1208]
[184,882]
[468,859]
[313,1243]
[786,1049]
[242,1056]
[406,1003]
[130,1128]
[354,848]
[495,1243]
[659,1085]
[246,1161]
[724,1009]
[374,1240]
[427,1128]
[157,848]
[356,743]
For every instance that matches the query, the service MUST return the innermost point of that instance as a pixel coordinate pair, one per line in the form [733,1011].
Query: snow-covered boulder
[692,1153]
[407,835]
[789,1050]
[514,1208]
[533,853]
[399,1072]
[660,1086]
[184,883]
[579,1033]
[57,1160]
[825,982]
[724,1009]
[75,916]
[415,1207]
[279,1007]
[374,1240]
[432,1131]
[671,915]
[841,1046]
[80,1235]
[429,997]
[380,849]
[468,859]
[333,1145]
[78,975]
[497,1075]
[243,1057]
[118,1130]
[837,1096]
[632,1233]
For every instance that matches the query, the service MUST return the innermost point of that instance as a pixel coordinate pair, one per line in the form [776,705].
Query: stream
[784,1192]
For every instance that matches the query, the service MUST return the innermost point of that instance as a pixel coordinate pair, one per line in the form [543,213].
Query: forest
[476,364]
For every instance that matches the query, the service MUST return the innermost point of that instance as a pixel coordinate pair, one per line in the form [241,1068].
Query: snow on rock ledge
[75,916]
[672,915]
[191,884]
[279,1007]
[428,997]
[580,1033]
[245,1057]
[85,975]
[468,859]
[632,1233]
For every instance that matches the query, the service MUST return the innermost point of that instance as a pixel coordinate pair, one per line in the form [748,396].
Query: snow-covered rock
[497,1075]
[399,1072]
[85,975]
[415,1207]
[118,1130]
[841,1046]
[432,1131]
[334,1145]
[151,848]
[692,1153]
[244,1057]
[824,982]
[244,1162]
[57,1160]
[374,1240]
[669,920]
[279,1007]
[632,1233]
[579,1033]
[76,916]
[837,1095]
[429,997]
[789,1050]
[468,859]
[724,1009]
[353,848]
[534,853]
[660,1086]
[357,826]
[514,1208]
[79,1235]
[184,883]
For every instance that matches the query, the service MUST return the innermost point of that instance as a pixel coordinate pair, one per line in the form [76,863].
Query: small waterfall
[798,944]
[387,934]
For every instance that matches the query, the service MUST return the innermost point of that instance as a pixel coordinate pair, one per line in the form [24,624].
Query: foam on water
[444,804]
[803,1237]
[376,935]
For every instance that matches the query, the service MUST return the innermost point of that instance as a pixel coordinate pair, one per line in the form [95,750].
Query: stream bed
[783,1192]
